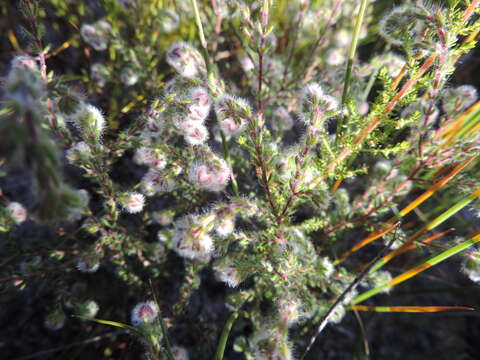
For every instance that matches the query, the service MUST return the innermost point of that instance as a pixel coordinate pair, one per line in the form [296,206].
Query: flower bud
[88,309]
[471,267]
[129,76]
[180,353]
[458,99]
[186,60]
[96,35]
[78,152]
[87,265]
[169,21]
[55,320]
[335,57]
[100,74]
[90,120]
[226,226]
[154,182]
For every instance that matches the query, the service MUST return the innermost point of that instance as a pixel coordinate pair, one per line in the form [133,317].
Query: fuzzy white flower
[195,134]
[335,57]
[190,240]
[144,313]
[328,266]
[226,226]
[55,320]
[212,177]
[154,182]
[17,211]
[231,127]
[150,157]
[132,202]
[90,119]
[96,34]
[226,272]
[86,266]
[185,59]
[289,310]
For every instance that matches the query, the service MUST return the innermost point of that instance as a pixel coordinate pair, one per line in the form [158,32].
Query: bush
[181,145]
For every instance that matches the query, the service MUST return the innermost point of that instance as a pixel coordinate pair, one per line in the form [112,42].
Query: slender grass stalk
[351,55]
[223,338]
[203,42]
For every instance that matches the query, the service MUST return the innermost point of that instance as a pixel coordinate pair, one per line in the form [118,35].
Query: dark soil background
[442,336]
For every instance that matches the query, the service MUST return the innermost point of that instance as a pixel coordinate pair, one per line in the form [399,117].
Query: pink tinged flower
[133,202]
[196,134]
[17,212]
[229,126]
[210,177]
[144,313]
[200,97]
[247,64]
[24,61]
[203,177]
[223,174]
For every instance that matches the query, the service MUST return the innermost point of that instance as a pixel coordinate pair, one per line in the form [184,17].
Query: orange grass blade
[403,249]
[427,194]
[410,309]
[457,128]
[417,202]
[367,240]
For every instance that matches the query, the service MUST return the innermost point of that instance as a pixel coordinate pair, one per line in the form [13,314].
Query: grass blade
[109,322]
[410,309]
[429,226]
[223,339]
[420,268]
[404,248]
[414,204]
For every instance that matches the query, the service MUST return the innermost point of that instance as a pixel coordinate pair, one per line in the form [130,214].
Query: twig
[78,343]
[168,347]
[347,291]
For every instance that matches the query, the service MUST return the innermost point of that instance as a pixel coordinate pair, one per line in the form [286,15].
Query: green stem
[201,35]
[226,153]
[225,332]
[351,55]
